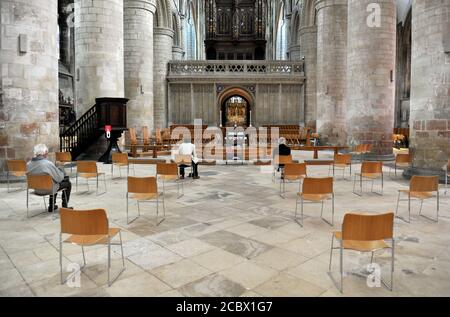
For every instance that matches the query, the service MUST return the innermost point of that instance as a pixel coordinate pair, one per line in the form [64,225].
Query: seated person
[282,150]
[40,165]
[187,148]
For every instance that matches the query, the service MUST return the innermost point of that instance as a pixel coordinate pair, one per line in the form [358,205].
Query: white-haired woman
[40,165]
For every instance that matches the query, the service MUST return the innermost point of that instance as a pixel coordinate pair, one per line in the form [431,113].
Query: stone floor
[231,234]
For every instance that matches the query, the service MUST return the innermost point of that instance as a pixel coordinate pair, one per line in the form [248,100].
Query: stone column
[177,53]
[98,51]
[308,46]
[162,41]
[29,112]
[331,70]
[370,74]
[430,85]
[138,52]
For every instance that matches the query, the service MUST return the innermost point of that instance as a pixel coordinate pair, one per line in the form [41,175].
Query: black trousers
[194,167]
[67,185]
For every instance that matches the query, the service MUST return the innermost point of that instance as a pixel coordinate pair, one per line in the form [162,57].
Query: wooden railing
[81,134]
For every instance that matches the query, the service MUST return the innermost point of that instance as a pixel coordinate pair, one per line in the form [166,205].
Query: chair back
[40,182]
[295,170]
[167,169]
[145,135]
[359,227]
[89,167]
[318,186]
[158,136]
[359,148]
[63,157]
[145,185]
[403,158]
[368,148]
[16,165]
[424,184]
[120,158]
[84,222]
[372,167]
[183,159]
[283,159]
[133,136]
[343,159]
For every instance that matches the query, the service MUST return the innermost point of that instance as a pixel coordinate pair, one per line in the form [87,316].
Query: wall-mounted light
[392,76]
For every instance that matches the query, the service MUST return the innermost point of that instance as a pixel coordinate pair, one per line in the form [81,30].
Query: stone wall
[138,53]
[308,45]
[371,75]
[29,78]
[162,48]
[99,60]
[331,70]
[430,85]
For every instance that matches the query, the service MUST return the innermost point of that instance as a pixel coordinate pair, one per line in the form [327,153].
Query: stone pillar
[308,46]
[162,41]
[177,53]
[295,52]
[430,85]
[98,51]
[331,70]
[138,52]
[29,112]
[370,75]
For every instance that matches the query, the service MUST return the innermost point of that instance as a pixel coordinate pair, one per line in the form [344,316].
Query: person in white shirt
[187,148]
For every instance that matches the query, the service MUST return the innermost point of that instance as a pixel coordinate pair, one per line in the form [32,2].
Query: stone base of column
[412,171]
[375,157]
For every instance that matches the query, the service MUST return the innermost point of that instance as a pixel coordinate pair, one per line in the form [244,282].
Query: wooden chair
[420,188]
[280,160]
[362,149]
[370,171]
[120,160]
[42,185]
[293,173]
[88,228]
[88,170]
[16,168]
[401,160]
[64,159]
[365,233]
[341,161]
[168,172]
[316,190]
[145,139]
[144,190]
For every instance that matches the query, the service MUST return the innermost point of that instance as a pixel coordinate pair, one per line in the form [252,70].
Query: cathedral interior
[357,90]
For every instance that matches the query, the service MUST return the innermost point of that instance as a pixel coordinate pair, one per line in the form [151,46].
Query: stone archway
[243,110]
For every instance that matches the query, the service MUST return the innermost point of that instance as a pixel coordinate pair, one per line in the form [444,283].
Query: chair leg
[121,249]
[331,252]
[342,268]
[84,255]
[28,213]
[7,182]
[61,258]
[109,262]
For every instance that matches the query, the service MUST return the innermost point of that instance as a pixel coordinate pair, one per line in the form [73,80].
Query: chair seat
[403,165]
[92,240]
[169,177]
[121,164]
[419,195]
[294,177]
[369,175]
[18,174]
[143,196]
[89,175]
[342,165]
[362,246]
[315,197]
